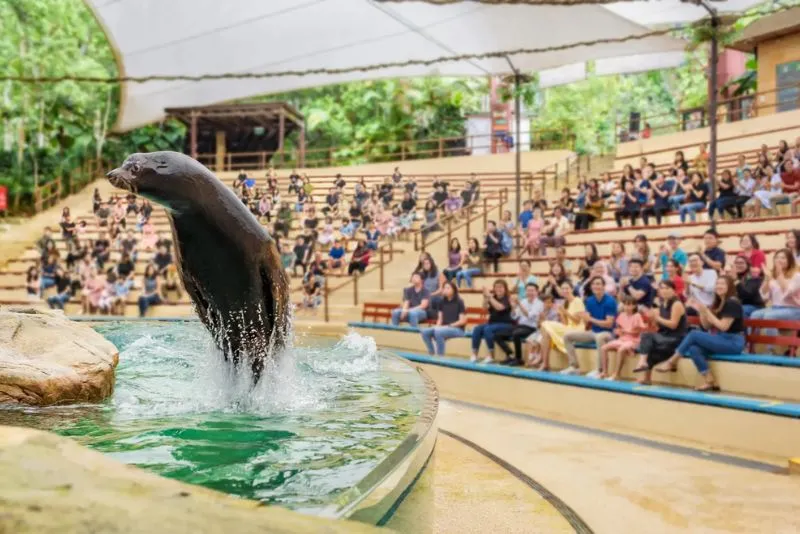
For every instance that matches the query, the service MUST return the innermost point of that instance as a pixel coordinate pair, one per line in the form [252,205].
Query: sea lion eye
[135,168]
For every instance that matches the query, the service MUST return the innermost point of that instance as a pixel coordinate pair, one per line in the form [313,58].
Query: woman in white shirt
[775,189]
[782,289]
[700,282]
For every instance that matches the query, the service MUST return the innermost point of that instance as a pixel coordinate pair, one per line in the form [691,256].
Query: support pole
[302,157]
[712,104]
[281,134]
[518,144]
[381,266]
[193,135]
[325,300]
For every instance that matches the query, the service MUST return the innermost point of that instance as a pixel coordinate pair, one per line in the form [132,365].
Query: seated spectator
[669,317]
[748,285]
[561,257]
[533,234]
[572,318]
[671,251]
[526,215]
[172,283]
[696,197]
[50,251]
[638,286]
[454,260]
[554,232]
[598,270]
[287,258]
[328,234]
[128,244]
[151,290]
[359,260]
[265,207]
[682,182]
[498,303]
[48,275]
[722,333]
[162,260]
[312,291]
[782,289]
[451,319]
[590,257]
[431,221]
[600,314]
[492,246]
[471,264]
[751,249]
[701,160]
[453,204]
[727,198]
[439,196]
[713,257]
[149,236]
[790,180]
[125,267]
[65,290]
[42,244]
[566,204]
[416,299]
[93,287]
[302,255]
[679,161]
[661,192]
[120,291]
[67,226]
[674,272]
[538,200]
[524,278]
[630,207]
[592,210]
[33,283]
[526,312]
[372,235]
[336,255]
[629,327]
[555,279]
[793,244]
[700,282]
[771,189]
[433,280]
[617,265]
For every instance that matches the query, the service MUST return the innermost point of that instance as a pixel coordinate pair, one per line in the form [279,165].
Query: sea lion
[229,264]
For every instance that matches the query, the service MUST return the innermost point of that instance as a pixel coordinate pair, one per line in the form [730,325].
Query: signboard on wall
[788,83]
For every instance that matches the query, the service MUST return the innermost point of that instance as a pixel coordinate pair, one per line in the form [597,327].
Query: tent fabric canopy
[193,37]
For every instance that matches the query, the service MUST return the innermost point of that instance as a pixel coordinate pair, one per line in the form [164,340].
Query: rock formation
[47,359]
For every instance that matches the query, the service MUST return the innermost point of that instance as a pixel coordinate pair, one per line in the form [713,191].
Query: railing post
[469,224]
[566,163]
[381,266]
[588,163]
[555,178]
[441,147]
[355,288]
[325,299]
[485,212]
[449,230]
[263,159]
[422,239]
[416,246]
[391,251]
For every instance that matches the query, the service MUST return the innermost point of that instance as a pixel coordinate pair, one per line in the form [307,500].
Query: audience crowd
[655,304]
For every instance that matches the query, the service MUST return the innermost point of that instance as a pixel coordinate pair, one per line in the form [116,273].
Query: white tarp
[194,37]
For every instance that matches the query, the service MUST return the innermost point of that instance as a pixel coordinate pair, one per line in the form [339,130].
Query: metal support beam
[518,136]
[281,134]
[302,149]
[193,135]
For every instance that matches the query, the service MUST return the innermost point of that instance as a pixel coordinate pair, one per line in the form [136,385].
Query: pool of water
[316,424]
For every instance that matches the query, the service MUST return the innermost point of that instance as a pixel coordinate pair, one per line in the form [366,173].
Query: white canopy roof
[194,37]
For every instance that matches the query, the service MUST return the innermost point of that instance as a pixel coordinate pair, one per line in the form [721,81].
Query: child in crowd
[629,326]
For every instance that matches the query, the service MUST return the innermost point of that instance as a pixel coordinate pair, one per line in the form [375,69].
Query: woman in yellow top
[572,318]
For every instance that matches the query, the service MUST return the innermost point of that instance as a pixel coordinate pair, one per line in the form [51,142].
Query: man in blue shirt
[526,215]
[638,286]
[600,314]
[713,257]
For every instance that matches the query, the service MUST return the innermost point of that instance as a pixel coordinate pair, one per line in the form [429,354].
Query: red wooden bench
[382,312]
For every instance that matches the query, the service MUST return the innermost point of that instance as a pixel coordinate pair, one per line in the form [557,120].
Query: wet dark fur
[229,264]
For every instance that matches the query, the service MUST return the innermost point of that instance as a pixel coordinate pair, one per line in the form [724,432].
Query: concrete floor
[613,484]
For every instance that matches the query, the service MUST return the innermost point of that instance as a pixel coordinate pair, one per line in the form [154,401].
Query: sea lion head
[163,177]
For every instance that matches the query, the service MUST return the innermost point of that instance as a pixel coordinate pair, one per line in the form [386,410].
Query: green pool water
[315,426]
